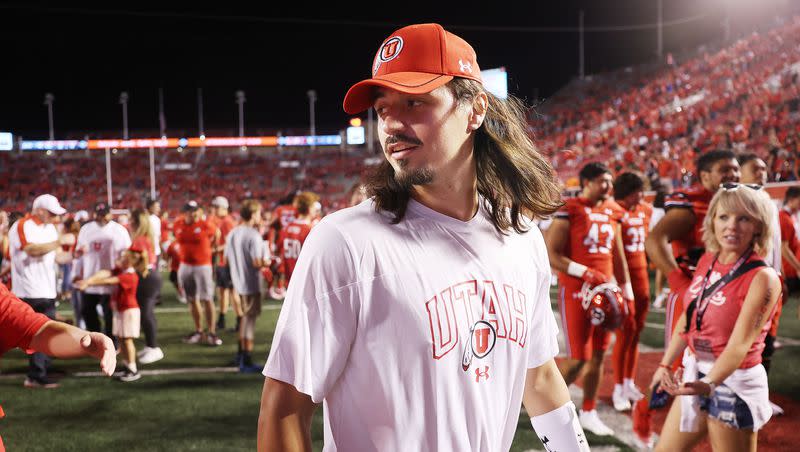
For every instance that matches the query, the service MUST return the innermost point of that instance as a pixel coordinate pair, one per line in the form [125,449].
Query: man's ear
[480,105]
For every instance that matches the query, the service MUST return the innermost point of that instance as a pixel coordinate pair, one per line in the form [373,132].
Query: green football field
[194,400]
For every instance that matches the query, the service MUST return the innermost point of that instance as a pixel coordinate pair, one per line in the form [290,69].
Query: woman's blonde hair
[139,261]
[140,220]
[755,203]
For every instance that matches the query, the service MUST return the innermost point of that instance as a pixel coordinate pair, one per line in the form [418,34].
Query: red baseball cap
[414,60]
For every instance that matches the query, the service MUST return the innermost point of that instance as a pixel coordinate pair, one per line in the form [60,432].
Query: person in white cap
[421,317]
[221,218]
[34,243]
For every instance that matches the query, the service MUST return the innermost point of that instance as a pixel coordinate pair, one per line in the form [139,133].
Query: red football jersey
[285,214]
[290,241]
[788,234]
[592,231]
[689,249]
[635,225]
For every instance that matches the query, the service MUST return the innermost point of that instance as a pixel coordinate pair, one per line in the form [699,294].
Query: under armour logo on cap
[465,67]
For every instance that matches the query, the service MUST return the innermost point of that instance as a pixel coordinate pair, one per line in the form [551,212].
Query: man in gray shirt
[246,253]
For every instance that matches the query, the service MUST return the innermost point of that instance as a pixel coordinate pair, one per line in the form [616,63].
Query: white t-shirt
[101,246]
[32,277]
[155,226]
[377,316]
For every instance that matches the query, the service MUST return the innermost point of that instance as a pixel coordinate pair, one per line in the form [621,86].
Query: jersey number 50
[291,248]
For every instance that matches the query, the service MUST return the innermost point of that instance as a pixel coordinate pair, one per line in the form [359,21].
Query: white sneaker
[151,355]
[776,410]
[621,403]
[631,392]
[658,303]
[182,299]
[591,421]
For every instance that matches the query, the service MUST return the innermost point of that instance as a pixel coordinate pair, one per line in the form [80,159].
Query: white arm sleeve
[559,430]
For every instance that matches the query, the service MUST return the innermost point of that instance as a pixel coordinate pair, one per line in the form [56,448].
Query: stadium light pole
[162,119]
[581,72]
[240,99]
[660,35]
[48,100]
[312,100]
[123,100]
[108,177]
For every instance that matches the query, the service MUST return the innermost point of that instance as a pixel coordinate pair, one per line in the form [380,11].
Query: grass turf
[209,411]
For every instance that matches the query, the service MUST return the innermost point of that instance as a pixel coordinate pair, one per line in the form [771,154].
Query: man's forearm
[545,389]
[658,250]
[40,249]
[60,340]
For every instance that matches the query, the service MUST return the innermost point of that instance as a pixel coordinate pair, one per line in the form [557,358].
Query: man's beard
[405,179]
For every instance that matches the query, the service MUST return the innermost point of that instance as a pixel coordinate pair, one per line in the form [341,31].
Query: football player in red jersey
[292,237]
[283,215]
[585,247]
[682,227]
[628,190]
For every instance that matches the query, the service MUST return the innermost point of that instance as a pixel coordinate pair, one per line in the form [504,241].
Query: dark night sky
[87,56]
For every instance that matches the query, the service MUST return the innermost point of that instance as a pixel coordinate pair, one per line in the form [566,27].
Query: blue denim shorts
[727,407]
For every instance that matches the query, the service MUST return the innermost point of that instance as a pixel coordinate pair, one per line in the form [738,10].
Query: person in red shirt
[196,237]
[283,215]
[221,219]
[730,303]
[635,222]
[585,247]
[292,237]
[789,242]
[21,327]
[127,314]
[149,288]
[675,243]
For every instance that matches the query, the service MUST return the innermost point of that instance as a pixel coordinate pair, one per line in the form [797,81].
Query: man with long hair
[422,318]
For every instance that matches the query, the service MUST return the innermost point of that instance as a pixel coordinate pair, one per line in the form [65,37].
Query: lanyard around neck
[707,292]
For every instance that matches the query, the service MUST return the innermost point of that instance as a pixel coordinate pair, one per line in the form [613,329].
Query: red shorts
[581,337]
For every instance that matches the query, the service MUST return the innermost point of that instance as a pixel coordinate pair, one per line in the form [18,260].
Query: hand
[594,277]
[658,377]
[693,388]
[80,284]
[678,281]
[101,347]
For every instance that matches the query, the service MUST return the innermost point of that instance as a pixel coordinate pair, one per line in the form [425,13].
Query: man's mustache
[394,139]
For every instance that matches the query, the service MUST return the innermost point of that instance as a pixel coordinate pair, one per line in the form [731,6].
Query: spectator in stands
[149,286]
[721,334]
[34,244]
[222,220]
[100,243]
[22,327]
[196,237]
[247,254]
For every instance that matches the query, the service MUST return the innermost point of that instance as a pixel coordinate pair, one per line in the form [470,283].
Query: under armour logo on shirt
[479,374]
[465,67]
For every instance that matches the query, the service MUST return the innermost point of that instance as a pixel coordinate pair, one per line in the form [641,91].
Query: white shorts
[127,323]
[197,281]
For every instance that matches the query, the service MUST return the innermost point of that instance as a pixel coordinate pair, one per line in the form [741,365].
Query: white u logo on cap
[465,67]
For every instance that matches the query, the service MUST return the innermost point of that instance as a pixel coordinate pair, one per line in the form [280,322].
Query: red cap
[414,60]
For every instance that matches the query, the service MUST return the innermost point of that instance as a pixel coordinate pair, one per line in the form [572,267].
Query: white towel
[690,405]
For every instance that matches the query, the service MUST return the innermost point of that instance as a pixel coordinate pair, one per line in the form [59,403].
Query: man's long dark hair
[513,178]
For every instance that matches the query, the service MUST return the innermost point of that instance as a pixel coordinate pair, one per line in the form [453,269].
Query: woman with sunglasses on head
[730,305]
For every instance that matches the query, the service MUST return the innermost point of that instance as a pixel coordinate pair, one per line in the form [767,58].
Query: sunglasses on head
[731,186]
